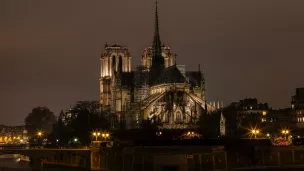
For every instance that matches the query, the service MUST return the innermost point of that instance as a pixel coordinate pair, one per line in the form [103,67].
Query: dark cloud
[49,50]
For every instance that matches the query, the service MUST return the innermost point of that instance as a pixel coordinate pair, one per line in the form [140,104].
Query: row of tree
[85,116]
[78,122]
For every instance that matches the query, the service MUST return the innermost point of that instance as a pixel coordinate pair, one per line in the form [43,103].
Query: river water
[10,164]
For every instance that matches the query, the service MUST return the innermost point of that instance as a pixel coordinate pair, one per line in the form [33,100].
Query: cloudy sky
[49,50]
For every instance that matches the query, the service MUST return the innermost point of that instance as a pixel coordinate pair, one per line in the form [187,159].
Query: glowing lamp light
[159,133]
[285,131]
[255,132]
[39,133]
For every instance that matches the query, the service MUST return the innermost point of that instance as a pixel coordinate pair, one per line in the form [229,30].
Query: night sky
[50,50]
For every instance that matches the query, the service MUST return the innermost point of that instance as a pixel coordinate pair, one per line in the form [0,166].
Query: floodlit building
[13,135]
[159,89]
[297,106]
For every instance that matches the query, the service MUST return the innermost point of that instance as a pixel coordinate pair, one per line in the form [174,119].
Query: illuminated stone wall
[109,63]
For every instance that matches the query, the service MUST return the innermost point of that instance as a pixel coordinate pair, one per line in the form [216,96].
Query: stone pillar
[95,156]
[129,69]
[101,67]
[110,66]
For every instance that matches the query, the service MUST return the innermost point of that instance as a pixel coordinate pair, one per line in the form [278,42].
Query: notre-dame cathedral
[158,90]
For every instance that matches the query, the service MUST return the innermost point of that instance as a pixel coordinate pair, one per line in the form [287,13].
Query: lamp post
[105,135]
[96,135]
[285,132]
[255,132]
[39,134]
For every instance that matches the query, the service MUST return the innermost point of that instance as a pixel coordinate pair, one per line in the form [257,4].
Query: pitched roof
[171,75]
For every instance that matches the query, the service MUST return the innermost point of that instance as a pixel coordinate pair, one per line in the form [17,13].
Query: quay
[121,157]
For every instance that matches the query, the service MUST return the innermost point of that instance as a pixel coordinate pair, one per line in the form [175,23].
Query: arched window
[178,116]
[120,66]
[113,63]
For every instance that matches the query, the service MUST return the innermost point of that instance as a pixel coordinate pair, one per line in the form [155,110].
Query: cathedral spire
[157,59]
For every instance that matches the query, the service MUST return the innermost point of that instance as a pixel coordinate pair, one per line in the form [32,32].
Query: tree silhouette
[41,118]
[60,133]
[81,120]
[209,124]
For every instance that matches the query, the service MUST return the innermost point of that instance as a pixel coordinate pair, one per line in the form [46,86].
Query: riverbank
[13,165]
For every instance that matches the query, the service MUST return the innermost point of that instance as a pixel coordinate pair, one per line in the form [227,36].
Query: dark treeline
[84,117]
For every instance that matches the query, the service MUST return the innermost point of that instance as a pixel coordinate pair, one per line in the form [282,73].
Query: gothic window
[178,116]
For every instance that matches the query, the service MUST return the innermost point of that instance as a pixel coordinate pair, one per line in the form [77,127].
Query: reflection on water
[14,164]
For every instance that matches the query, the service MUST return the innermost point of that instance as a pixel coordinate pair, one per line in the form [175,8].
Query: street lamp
[96,135]
[105,135]
[285,132]
[159,133]
[39,133]
[255,132]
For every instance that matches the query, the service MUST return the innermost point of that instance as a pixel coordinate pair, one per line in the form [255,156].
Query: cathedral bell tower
[114,59]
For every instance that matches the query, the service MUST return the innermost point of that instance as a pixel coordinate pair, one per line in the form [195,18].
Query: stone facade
[158,90]
[297,107]
[13,134]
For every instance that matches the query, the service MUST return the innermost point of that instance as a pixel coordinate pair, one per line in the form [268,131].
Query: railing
[264,158]
[203,161]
